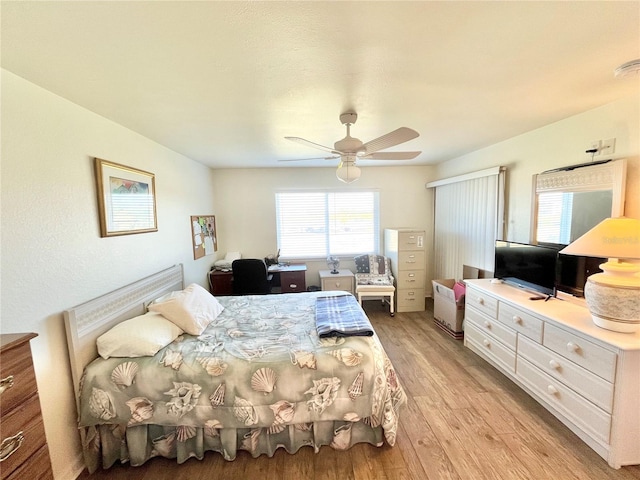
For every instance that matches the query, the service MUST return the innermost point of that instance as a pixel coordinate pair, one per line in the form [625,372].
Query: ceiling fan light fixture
[628,69]
[347,172]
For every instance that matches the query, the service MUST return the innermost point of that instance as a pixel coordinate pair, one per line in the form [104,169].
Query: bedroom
[51,247]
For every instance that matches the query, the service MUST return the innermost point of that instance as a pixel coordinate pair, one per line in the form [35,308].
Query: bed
[257,378]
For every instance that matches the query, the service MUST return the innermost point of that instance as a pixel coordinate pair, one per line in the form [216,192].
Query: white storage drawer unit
[405,248]
[586,376]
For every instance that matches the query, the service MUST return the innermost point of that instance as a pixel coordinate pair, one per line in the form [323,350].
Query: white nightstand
[343,280]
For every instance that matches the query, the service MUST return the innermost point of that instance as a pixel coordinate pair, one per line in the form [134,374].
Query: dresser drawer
[410,279]
[582,412]
[25,418]
[411,241]
[587,384]
[491,326]
[485,303]
[521,321]
[16,362]
[411,260]
[339,283]
[593,357]
[490,347]
[37,468]
[412,299]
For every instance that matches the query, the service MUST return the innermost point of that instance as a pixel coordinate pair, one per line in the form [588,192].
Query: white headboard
[85,323]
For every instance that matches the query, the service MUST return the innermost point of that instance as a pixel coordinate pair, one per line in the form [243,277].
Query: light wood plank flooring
[464,420]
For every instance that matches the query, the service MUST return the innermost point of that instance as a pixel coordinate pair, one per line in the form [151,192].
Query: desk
[290,278]
[286,279]
[220,283]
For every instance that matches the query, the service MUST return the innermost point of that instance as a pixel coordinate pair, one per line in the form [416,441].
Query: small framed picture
[126,199]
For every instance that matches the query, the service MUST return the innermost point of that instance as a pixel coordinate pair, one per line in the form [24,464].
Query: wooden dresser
[405,248]
[586,376]
[24,453]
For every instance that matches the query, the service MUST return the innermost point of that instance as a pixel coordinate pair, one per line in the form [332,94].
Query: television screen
[573,272]
[531,267]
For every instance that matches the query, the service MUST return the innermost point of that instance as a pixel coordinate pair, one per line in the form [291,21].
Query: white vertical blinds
[315,224]
[469,217]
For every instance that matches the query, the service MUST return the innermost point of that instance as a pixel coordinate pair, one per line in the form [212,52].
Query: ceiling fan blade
[304,159]
[311,144]
[401,135]
[391,156]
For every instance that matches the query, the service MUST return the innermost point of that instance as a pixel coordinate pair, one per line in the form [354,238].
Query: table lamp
[613,296]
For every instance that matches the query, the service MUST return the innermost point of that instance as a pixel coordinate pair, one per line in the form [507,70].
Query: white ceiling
[224,82]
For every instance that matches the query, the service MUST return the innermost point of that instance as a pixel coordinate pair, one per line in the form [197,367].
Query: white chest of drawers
[588,377]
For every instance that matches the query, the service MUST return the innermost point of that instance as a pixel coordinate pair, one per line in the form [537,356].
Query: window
[315,224]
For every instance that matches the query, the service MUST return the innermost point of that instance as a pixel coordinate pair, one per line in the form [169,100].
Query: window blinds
[469,217]
[315,224]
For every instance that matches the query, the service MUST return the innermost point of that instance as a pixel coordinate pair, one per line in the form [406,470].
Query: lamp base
[614,305]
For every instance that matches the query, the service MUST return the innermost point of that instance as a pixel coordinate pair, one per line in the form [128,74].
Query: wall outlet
[595,145]
[608,146]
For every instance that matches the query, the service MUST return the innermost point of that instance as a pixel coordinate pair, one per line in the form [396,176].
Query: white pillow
[191,309]
[140,336]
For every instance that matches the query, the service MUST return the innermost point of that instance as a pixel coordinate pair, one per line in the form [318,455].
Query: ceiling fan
[350,149]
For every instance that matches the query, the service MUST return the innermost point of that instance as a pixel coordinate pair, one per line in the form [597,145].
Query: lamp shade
[613,296]
[611,238]
[347,171]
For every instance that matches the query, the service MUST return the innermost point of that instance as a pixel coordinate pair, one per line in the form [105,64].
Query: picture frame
[203,235]
[126,199]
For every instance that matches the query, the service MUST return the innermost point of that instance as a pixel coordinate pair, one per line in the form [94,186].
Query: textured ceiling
[224,82]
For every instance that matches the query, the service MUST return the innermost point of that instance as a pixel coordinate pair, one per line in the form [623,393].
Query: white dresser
[405,248]
[588,377]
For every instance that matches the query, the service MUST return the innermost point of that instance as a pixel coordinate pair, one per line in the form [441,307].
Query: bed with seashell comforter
[258,378]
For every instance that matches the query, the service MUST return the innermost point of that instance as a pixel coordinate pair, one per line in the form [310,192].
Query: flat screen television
[572,272]
[531,267]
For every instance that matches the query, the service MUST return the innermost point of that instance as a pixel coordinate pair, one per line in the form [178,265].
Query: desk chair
[374,279]
[250,277]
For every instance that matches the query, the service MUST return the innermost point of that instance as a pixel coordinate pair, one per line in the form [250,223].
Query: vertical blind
[315,224]
[469,217]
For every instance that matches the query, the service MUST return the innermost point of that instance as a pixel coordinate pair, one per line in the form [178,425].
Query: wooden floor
[464,420]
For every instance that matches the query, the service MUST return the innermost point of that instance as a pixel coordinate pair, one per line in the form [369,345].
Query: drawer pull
[572,347]
[293,285]
[6,383]
[552,390]
[517,319]
[486,342]
[487,324]
[337,284]
[480,300]
[412,274]
[553,364]
[10,445]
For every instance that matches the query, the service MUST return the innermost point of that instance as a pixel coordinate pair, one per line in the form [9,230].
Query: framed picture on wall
[126,199]
[203,235]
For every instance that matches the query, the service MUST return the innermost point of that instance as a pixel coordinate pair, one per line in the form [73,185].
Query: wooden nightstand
[343,280]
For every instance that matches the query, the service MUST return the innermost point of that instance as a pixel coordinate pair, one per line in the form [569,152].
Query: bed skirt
[105,445]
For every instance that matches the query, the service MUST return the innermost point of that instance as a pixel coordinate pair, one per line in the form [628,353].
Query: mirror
[570,201]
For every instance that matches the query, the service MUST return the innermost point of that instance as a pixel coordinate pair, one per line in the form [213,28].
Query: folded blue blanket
[341,316]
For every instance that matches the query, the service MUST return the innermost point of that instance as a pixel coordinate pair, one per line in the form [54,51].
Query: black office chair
[250,277]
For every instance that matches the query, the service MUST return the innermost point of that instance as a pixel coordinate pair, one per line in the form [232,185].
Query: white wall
[246,215]
[52,255]
[556,145]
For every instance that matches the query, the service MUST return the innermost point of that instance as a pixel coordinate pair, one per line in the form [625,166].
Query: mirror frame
[589,177]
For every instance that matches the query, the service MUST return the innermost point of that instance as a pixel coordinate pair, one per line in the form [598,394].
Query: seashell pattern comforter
[257,379]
